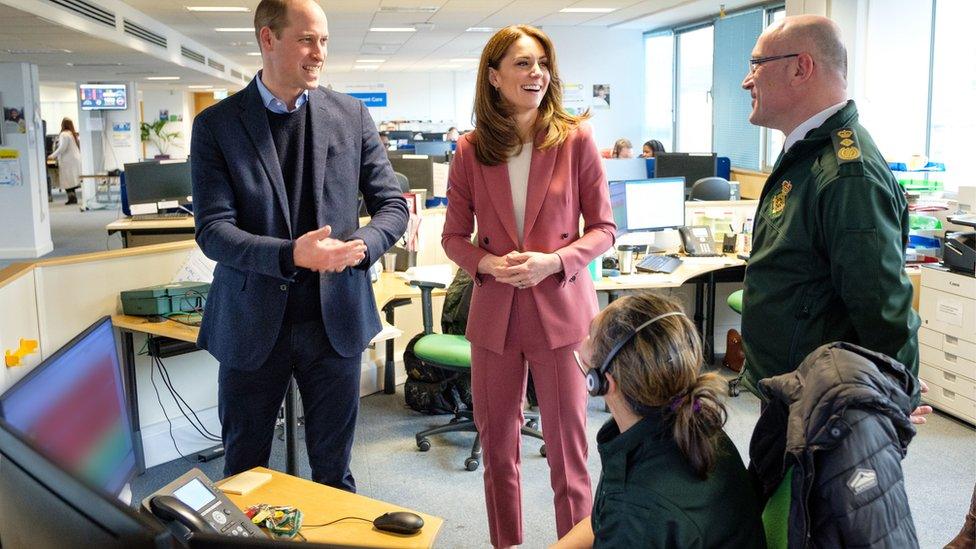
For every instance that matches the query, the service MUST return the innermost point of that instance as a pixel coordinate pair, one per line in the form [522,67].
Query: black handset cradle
[195,502]
[698,241]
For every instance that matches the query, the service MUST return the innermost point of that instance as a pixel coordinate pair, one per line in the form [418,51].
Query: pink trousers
[498,385]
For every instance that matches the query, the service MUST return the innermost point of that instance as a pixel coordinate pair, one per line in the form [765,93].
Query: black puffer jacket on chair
[841,421]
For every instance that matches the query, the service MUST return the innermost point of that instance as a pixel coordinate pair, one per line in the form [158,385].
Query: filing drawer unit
[947,341]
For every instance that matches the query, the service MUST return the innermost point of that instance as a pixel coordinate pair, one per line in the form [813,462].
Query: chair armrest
[427,284]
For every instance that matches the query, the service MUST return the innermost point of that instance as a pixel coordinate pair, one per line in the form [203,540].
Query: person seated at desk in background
[651,148]
[622,148]
[452,134]
[671,476]
[385,140]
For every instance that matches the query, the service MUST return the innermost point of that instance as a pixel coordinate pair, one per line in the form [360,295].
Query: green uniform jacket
[828,255]
[648,495]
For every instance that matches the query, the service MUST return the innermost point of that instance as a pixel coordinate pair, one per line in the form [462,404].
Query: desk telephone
[195,502]
[698,241]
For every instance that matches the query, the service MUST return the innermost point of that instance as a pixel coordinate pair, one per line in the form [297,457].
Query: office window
[893,87]
[773,140]
[694,76]
[659,89]
[953,122]
[734,136]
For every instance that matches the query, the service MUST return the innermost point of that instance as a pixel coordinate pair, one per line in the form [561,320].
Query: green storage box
[186,297]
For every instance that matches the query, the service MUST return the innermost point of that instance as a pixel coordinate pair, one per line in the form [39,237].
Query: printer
[959,250]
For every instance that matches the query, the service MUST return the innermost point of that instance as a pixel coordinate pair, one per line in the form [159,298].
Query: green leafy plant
[155,132]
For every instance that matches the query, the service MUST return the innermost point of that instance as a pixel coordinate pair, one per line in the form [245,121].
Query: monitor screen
[73,407]
[401,134]
[149,182]
[99,97]
[419,172]
[648,204]
[433,148]
[623,169]
[691,166]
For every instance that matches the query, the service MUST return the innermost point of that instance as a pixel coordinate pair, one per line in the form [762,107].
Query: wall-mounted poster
[574,100]
[601,96]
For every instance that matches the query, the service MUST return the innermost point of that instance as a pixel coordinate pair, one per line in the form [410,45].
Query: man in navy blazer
[277,169]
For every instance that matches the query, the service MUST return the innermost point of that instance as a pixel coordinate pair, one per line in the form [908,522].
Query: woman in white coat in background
[68,155]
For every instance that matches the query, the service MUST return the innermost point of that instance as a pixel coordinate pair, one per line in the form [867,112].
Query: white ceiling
[440,43]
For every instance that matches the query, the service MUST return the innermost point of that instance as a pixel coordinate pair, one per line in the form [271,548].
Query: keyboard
[658,264]
[159,216]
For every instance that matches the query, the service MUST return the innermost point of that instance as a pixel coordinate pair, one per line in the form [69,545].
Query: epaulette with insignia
[846,147]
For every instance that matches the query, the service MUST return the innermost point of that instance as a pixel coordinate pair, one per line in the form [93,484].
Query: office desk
[143,233]
[704,272]
[389,292]
[321,504]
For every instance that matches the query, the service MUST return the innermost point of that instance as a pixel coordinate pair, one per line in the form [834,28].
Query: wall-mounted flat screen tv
[102,97]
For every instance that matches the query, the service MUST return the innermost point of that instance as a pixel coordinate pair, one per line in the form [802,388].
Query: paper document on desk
[441,171]
[196,268]
[387,332]
[442,274]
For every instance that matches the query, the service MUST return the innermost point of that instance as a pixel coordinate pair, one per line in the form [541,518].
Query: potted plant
[155,132]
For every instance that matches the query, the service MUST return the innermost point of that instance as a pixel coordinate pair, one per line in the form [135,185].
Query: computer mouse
[399,522]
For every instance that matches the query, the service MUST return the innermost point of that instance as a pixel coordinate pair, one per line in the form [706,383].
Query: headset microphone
[596,378]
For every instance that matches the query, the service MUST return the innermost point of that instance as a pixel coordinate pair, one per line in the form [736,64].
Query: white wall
[444,98]
[177,102]
[58,102]
[593,55]
[23,206]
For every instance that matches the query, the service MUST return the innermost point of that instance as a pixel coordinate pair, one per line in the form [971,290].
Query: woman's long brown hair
[662,368]
[496,135]
[68,126]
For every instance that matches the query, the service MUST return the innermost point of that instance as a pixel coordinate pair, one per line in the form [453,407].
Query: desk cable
[157,363]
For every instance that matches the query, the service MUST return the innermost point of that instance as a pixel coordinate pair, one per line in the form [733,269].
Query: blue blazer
[242,221]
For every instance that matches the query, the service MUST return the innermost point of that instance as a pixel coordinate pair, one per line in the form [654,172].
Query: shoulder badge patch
[779,199]
[861,480]
[846,146]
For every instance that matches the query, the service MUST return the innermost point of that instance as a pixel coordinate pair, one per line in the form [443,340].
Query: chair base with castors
[453,353]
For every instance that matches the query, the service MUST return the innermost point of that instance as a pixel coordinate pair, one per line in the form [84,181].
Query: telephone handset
[698,241]
[170,509]
[195,502]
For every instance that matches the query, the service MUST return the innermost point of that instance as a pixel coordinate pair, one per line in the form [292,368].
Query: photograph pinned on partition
[13,120]
[601,96]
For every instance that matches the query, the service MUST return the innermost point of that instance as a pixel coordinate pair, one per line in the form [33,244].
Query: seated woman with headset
[671,476]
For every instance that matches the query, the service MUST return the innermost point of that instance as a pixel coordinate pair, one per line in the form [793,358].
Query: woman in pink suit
[526,175]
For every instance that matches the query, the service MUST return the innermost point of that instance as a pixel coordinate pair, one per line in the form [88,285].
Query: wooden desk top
[388,288]
[690,268]
[127,224]
[321,504]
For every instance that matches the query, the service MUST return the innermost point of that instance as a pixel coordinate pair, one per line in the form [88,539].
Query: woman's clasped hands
[521,269]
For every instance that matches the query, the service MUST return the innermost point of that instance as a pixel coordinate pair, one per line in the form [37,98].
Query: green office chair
[453,353]
[776,514]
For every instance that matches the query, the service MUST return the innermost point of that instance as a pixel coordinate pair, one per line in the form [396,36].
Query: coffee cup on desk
[625,258]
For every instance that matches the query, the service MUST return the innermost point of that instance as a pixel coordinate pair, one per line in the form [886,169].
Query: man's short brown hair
[272,14]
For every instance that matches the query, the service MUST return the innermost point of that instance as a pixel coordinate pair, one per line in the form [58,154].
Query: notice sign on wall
[372,98]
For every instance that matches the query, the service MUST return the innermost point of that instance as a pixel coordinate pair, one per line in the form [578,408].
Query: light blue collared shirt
[274,104]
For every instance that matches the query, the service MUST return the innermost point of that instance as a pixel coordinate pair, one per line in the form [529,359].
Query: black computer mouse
[399,522]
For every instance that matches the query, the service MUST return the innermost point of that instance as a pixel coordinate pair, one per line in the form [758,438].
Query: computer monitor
[625,169]
[432,148]
[691,166]
[648,204]
[73,407]
[162,181]
[401,134]
[419,172]
[44,506]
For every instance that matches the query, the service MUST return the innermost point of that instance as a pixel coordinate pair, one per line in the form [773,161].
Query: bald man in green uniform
[828,259]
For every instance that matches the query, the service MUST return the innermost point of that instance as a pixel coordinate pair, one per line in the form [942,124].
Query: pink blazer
[564,183]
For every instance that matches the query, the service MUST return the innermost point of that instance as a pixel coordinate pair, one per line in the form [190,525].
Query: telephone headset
[596,378]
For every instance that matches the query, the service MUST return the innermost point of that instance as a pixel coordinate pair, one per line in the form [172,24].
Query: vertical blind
[732,134]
